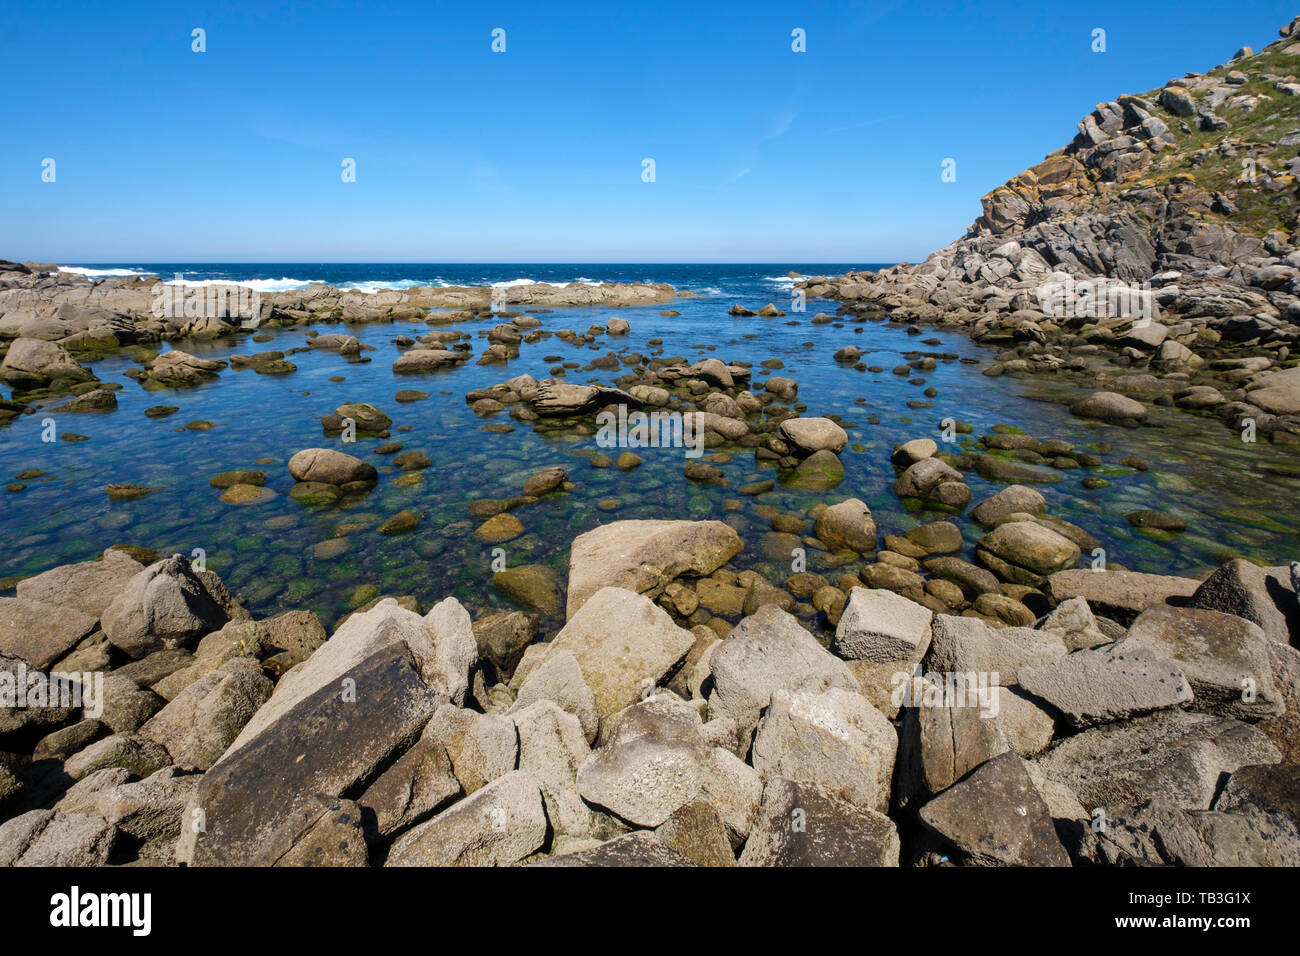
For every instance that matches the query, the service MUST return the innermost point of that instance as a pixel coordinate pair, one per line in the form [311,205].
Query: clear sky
[535,154]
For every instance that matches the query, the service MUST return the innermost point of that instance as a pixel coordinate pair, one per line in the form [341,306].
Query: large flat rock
[1097,687]
[1119,595]
[644,556]
[41,633]
[263,794]
[89,586]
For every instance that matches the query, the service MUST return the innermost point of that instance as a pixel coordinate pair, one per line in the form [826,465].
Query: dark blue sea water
[282,554]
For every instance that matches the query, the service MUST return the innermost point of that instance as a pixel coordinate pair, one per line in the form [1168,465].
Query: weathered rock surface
[497,826]
[624,645]
[834,740]
[644,556]
[799,824]
[1097,687]
[1224,657]
[996,817]
[767,652]
[166,605]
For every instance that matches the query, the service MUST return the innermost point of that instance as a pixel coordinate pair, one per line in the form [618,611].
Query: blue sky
[535,154]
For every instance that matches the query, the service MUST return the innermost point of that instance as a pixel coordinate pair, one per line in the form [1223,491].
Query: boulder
[1176,755]
[329,467]
[535,586]
[1158,833]
[696,831]
[799,824]
[135,754]
[367,418]
[481,747]
[1120,595]
[1263,596]
[427,360]
[1025,552]
[820,471]
[834,740]
[166,605]
[502,637]
[41,633]
[204,718]
[847,526]
[499,825]
[651,763]
[555,398]
[545,481]
[559,679]
[46,838]
[325,740]
[814,434]
[997,817]
[945,734]
[767,652]
[1267,786]
[934,481]
[624,644]
[1276,392]
[644,556]
[34,363]
[89,586]
[655,759]
[1097,687]
[910,452]
[1014,499]
[1074,622]
[1109,407]
[881,626]
[967,644]
[419,783]
[552,747]
[1224,657]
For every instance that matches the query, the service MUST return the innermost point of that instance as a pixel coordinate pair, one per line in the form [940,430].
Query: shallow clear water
[1235,497]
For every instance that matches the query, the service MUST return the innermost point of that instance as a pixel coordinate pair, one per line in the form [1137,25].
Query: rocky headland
[1154,255]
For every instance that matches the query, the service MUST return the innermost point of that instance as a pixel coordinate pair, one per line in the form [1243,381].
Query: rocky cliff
[1164,233]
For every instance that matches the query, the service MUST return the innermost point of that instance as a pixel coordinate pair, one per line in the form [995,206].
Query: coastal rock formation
[1143,237]
[598,751]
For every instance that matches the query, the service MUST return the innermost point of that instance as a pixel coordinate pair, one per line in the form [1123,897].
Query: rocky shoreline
[862,698]
[1140,720]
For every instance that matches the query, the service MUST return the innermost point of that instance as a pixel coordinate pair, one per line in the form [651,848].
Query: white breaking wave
[289,284]
[83,271]
[382,285]
[511,283]
[784,281]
